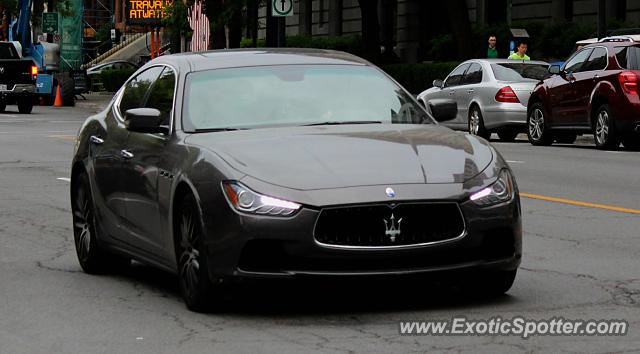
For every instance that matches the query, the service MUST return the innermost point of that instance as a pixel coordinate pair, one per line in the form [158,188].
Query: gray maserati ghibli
[227,165]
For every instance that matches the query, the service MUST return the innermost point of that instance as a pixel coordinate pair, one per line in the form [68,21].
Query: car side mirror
[438,83]
[554,69]
[443,109]
[144,120]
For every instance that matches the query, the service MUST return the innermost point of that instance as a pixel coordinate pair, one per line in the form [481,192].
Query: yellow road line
[64,137]
[579,203]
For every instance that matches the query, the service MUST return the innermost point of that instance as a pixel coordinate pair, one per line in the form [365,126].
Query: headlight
[499,192]
[245,200]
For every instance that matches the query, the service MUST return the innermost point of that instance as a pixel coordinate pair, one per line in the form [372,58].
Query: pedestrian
[521,53]
[492,51]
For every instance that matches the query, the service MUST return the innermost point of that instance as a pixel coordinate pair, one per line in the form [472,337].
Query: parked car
[112,65]
[595,91]
[94,72]
[492,95]
[287,163]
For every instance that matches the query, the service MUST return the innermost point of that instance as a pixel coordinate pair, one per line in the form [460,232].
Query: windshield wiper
[344,122]
[222,129]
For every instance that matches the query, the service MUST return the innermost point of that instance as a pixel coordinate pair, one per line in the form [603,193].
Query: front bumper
[246,246]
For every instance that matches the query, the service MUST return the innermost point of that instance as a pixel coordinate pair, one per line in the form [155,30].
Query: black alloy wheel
[195,285]
[91,257]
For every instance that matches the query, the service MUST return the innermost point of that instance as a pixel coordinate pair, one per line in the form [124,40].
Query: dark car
[286,163]
[596,91]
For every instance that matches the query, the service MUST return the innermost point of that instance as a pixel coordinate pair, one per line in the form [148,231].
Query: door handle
[96,140]
[451,92]
[596,77]
[470,91]
[126,154]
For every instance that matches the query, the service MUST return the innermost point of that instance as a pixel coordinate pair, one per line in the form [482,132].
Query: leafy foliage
[112,80]
[418,77]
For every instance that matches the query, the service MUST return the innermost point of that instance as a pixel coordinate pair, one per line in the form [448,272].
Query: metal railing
[130,38]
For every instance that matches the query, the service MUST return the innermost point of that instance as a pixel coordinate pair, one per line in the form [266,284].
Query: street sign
[50,22]
[113,34]
[282,8]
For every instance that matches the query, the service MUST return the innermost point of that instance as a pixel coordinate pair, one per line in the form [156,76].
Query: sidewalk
[95,101]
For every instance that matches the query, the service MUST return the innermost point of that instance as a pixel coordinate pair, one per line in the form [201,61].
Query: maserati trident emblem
[392,230]
[1,69]
[390,192]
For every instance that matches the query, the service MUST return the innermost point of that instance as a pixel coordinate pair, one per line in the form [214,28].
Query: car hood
[324,157]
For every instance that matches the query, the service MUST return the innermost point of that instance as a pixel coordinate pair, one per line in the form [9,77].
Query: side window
[621,56]
[456,76]
[473,75]
[161,94]
[136,89]
[574,64]
[628,57]
[597,60]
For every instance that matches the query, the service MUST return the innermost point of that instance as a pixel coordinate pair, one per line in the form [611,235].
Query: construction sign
[146,12]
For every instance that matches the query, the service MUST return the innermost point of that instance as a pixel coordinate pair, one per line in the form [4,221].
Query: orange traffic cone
[58,101]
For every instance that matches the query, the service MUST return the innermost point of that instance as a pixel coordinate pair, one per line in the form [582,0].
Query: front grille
[384,226]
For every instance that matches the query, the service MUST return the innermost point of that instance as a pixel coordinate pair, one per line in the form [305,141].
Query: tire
[507,135]
[604,131]
[631,143]
[196,287]
[537,131]
[92,258]
[476,123]
[566,138]
[67,89]
[25,105]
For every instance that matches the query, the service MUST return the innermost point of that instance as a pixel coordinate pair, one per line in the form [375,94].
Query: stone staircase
[130,39]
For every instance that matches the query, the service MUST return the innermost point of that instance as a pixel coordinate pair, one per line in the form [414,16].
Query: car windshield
[519,71]
[286,95]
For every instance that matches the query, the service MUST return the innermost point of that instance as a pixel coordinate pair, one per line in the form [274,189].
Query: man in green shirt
[521,53]
[492,52]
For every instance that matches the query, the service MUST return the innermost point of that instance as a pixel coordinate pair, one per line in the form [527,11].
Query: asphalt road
[580,262]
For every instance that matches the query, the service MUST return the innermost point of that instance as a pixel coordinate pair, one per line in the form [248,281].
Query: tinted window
[456,76]
[519,71]
[161,94]
[628,57]
[576,62]
[136,89]
[290,95]
[597,60]
[473,75]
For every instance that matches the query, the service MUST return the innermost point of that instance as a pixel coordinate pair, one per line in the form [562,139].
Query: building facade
[414,19]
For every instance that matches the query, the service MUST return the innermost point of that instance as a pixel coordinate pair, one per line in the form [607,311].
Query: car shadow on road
[317,295]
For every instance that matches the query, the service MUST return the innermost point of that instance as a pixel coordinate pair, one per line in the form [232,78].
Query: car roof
[233,58]
[508,61]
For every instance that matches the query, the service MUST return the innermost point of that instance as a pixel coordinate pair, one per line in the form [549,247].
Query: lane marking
[8,115]
[64,179]
[36,133]
[514,161]
[582,204]
[63,137]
